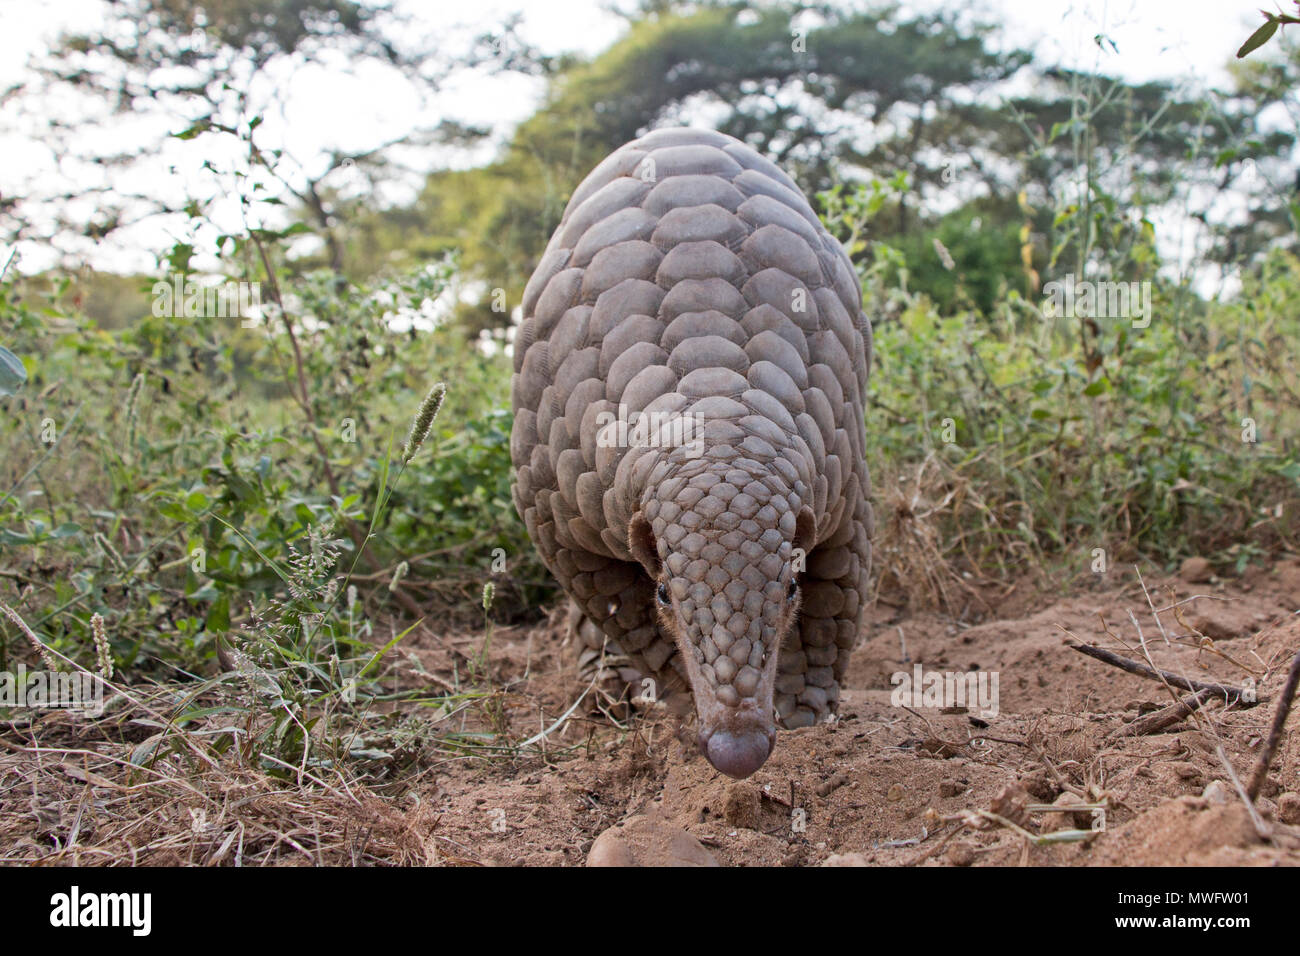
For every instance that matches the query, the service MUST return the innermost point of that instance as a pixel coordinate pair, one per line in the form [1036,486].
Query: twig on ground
[1275,731]
[1231,694]
[1166,716]
[1261,827]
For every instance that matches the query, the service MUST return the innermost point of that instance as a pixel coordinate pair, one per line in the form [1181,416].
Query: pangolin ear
[641,542]
[805,529]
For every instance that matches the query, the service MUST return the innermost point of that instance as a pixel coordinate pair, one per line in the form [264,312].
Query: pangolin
[688,439]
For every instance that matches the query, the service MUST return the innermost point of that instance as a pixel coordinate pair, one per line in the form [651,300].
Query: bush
[160,474]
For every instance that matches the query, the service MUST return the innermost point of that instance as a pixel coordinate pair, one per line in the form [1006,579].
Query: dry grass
[120,790]
[202,773]
[72,796]
[934,534]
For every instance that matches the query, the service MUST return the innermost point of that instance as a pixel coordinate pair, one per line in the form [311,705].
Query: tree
[799,83]
[201,71]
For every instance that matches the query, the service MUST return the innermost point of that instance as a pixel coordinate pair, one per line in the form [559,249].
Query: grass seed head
[424,421]
[28,633]
[103,654]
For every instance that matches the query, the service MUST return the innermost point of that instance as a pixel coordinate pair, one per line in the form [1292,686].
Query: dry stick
[1261,827]
[1154,613]
[1146,653]
[1275,732]
[1234,695]
[303,395]
[1231,694]
[1158,721]
[1203,643]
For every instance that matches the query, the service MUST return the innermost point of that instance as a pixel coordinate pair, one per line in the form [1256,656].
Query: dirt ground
[890,786]
[883,785]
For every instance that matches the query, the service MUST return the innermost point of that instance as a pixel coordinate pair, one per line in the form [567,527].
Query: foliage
[1036,438]
[836,95]
[1264,33]
[738,65]
[133,458]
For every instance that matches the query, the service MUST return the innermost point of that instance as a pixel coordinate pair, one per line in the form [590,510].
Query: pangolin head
[719,537]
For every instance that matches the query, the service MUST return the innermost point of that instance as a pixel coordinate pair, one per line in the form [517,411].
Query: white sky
[1186,39]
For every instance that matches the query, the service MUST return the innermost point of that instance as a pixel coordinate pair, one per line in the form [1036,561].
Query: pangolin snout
[738,753]
[736,737]
[733,677]
[734,703]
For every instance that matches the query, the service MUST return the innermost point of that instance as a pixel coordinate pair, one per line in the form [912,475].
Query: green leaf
[170,509]
[202,126]
[178,258]
[1258,38]
[12,373]
[1224,157]
[145,751]
[219,615]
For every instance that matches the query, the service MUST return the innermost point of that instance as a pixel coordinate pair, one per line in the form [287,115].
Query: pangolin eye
[792,590]
[661,594]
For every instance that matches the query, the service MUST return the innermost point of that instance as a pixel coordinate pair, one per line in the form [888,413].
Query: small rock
[950,788]
[845,859]
[1197,739]
[648,841]
[834,783]
[1185,770]
[740,805]
[1216,792]
[1010,804]
[895,793]
[1067,819]
[1288,808]
[960,854]
[940,748]
[1195,571]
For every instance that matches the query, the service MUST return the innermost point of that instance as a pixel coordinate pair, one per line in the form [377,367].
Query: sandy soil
[884,785]
[891,786]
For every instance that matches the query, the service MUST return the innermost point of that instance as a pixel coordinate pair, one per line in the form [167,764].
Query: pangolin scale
[688,390]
